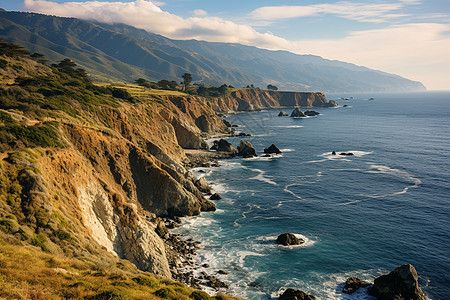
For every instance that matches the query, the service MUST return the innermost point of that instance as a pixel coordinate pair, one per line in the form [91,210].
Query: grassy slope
[42,253]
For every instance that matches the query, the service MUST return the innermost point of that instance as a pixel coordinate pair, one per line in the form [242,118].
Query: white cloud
[355,11]
[146,15]
[200,12]
[416,51]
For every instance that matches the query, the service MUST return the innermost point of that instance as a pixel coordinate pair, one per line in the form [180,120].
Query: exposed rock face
[254,99]
[203,185]
[246,149]
[297,113]
[352,284]
[215,196]
[272,150]
[311,113]
[289,239]
[291,294]
[283,114]
[224,146]
[401,284]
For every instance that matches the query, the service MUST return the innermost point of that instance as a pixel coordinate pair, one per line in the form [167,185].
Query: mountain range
[124,53]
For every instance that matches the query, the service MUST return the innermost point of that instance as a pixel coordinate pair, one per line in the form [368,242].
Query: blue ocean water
[360,215]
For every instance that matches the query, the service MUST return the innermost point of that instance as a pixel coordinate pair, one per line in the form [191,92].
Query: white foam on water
[263,158]
[261,177]
[287,190]
[287,150]
[243,254]
[380,169]
[289,126]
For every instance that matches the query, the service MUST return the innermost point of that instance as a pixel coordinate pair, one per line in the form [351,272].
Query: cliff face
[76,161]
[255,99]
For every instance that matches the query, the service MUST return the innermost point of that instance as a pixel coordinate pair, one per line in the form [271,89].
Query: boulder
[291,294]
[345,105]
[215,196]
[246,149]
[272,149]
[311,113]
[346,153]
[161,230]
[297,113]
[283,114]
[402,283]
[289,239]
[353,284]
[333,153]
[202,185]
[224,146]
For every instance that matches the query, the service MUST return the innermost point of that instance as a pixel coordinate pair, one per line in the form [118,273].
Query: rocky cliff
[256,99]
[82,169]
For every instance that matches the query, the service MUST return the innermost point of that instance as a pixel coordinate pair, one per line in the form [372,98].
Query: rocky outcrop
[401,284]
[289,239]
[246,149]
[283,114]
[215,196]
[291,294]
[297,113]
[352,284]
[311,113]
[223,145]
[272,150]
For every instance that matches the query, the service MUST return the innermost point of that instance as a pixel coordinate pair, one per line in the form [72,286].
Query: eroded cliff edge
[83,171]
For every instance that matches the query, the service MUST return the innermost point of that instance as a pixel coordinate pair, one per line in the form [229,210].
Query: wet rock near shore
[346,153]
[402,283]
[203,185]
[289,239]
[283,114]
[311,113]
[352,284]
[272,150]
[297,113]
[215,196]
[246,150]
[291,294]
[223,145]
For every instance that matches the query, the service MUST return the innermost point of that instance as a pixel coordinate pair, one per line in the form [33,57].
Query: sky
[410,38]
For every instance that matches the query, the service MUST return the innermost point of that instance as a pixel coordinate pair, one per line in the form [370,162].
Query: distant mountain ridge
[122,52]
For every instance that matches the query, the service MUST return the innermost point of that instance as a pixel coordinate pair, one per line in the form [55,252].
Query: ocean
[361,215]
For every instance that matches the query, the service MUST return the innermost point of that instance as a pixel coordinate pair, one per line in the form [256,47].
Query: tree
[272,87]
[187,79]
[143,82]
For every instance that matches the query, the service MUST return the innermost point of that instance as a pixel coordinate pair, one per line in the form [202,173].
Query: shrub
[145,280]
[199,295]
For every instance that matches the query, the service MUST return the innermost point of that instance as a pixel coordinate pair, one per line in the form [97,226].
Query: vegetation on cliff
[87,173]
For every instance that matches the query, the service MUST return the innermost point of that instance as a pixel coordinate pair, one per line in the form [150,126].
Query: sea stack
[297,113]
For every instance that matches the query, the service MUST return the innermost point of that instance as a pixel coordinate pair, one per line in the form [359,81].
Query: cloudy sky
[410,38]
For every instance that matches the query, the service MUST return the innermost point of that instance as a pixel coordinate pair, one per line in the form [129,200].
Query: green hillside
[126,53]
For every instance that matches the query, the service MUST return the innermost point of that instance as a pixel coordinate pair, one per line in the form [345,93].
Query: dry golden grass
[26,272]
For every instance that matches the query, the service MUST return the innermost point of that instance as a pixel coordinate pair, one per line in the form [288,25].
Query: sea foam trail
[380,169]
[262,177]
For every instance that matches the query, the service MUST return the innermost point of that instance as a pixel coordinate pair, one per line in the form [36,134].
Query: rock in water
[224,146]
[353,284]
[202,185]
[288,239]
[399,284]
[291,294]
[346,153]
[283,114]
[246,149]
[297,113]
[215,196]
[311,113]
[272,149]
